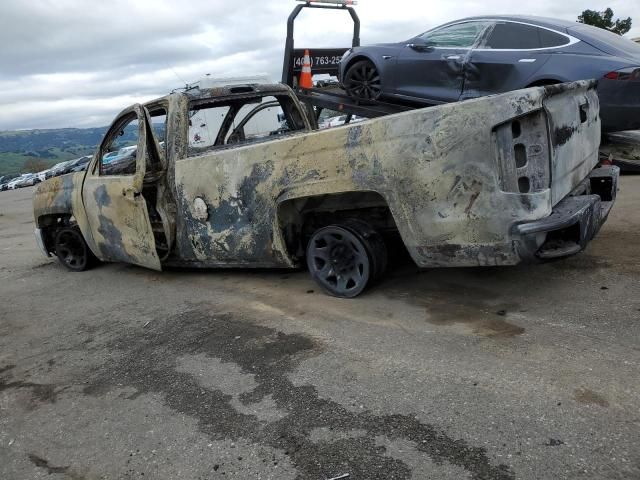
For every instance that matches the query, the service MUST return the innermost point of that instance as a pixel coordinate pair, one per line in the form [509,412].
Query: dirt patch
[584,395]
[150,363]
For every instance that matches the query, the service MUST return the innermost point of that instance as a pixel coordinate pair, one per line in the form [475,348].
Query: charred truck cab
[208,178]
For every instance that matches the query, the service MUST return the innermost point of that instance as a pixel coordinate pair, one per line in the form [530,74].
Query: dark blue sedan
[485,55]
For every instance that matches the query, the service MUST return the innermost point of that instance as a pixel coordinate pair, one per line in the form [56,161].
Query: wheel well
[50,224]
[358,58]
[543,82]
[298,218]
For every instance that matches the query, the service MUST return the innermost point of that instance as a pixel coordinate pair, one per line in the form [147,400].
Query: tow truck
[328,95]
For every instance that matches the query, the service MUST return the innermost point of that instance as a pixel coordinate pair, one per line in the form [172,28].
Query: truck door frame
[116,210]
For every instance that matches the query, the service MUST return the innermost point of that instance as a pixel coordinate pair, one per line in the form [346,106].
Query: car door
[112,193]
[509,56]
[431,66]
[224,186]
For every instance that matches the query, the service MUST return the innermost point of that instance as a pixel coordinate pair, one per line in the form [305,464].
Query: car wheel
[72,251]
[362,81]
[343,259]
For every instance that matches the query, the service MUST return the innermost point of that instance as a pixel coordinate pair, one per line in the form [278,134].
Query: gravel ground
[529,372]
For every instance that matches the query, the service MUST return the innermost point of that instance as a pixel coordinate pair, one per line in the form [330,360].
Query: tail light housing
[523,153]
[631,74]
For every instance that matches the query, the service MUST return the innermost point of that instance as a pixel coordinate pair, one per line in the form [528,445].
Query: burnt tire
[345,258]
[72,251]
[376,247]
[362,81]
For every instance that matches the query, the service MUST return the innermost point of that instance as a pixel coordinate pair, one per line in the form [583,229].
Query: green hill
[26,151]
[31,150]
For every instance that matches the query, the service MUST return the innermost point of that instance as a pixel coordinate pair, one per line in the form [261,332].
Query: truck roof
[243,90]
[236,89]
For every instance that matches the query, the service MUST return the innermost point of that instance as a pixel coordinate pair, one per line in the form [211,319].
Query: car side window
[460,35]
[118,157]
[513,36]
[241,121]
[205,123]
[517,36]
[551,39]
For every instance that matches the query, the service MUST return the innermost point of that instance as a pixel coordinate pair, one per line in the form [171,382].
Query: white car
[26,180]
[42,176]
[339,121]
[13,184]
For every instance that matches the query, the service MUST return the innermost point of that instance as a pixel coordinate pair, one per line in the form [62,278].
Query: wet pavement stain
[584,395]
[42,463]
[148,363]
[6,368]
[39,393]
[448,303]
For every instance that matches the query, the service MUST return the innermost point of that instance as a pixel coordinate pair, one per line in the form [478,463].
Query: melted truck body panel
[435,167]
[457,179]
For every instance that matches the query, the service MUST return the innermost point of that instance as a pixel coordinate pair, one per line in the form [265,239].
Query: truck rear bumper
[574,221]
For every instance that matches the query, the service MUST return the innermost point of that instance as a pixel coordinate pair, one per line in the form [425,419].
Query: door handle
[452,57]
[131,192]
[387,57]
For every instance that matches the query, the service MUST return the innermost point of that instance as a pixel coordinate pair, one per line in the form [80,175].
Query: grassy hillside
[33,150]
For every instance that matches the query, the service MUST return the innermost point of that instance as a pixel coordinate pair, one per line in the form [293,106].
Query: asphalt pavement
[528,372]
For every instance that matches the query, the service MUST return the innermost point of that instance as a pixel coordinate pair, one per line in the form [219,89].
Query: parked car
[62,168]
[79,165]
[28,180]
[3,187]
[12,184]
[487,183]
[24,180]
[486,55]
[339,121]
[5,179]
[45,174]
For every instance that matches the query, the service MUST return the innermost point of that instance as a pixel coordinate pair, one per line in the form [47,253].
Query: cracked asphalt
[528,372]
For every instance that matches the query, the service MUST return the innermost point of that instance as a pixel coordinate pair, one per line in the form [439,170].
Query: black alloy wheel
[72,250]
[362,81]
[344,258]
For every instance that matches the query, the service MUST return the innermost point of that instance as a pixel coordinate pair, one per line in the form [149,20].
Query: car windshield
[607,39]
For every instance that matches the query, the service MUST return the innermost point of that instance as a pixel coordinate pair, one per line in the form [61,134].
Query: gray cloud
[71,63]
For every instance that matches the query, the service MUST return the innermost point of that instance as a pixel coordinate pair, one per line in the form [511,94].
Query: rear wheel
[72,250]
[343,259]
[362,81]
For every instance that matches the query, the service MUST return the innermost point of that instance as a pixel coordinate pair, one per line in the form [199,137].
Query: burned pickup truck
[236,177]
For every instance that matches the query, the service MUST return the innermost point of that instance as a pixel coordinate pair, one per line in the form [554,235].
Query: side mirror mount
[420,45]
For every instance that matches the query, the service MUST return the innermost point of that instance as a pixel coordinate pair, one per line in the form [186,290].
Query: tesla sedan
[486,55]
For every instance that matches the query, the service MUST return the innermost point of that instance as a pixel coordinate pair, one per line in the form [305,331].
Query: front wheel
[362,81]
[72,250]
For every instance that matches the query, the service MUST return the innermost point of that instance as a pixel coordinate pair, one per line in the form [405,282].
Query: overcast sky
[76,63]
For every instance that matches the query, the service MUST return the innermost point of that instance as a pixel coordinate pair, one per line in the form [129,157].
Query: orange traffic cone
[306,81]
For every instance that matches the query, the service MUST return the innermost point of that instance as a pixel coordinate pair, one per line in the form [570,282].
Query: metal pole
[287,67]
[287,71]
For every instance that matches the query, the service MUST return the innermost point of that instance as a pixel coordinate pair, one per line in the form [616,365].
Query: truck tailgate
[574,132]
